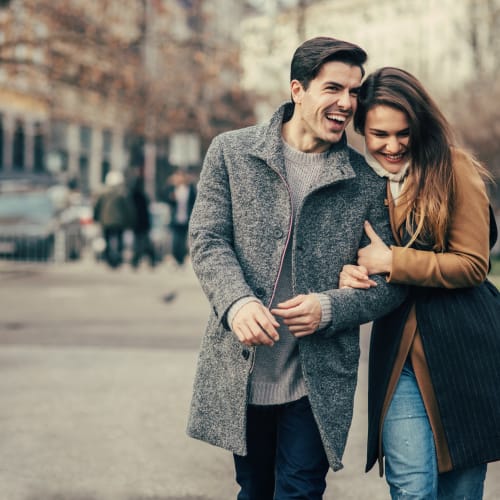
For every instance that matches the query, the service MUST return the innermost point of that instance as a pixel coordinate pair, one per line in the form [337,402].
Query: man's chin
[335,136]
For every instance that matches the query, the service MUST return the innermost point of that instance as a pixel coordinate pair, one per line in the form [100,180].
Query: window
[1,142]
[18,147]
[38,149]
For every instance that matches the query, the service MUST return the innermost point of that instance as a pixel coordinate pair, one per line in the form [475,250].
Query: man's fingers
[293,302]
[290,308]
[273,323]
[255,325]
[251,335]
[286,313]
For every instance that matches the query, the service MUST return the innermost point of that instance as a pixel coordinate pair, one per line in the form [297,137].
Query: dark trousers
[179,242]
[113,252]
[143,246]
[286,458]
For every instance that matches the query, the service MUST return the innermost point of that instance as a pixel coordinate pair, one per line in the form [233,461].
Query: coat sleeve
[353,307]
[211,236]
[465,263]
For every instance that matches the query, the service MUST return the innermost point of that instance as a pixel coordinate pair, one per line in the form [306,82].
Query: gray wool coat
[238,232]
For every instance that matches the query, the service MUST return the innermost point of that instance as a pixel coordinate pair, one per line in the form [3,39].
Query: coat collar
[269,148]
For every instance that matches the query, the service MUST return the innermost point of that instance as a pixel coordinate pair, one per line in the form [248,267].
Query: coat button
[278,233]
[260,293]
[245,353]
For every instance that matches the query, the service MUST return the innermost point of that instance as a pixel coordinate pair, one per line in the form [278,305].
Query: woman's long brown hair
[429,190]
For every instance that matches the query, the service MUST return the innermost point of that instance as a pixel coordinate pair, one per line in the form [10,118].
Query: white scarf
[395,180]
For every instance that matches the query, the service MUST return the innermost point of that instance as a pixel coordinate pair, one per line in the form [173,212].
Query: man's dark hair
[312,54]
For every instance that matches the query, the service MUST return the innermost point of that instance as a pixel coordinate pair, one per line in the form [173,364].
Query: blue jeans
[410,454]
[286,458]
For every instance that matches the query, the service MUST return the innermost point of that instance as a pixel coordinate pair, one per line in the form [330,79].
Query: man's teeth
[337,118]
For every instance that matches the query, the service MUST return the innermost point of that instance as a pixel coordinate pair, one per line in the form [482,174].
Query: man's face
[328,104]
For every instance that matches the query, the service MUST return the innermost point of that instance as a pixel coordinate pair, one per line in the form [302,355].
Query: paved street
[95,380]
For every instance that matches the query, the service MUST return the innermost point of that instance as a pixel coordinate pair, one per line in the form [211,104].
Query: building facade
[88,87]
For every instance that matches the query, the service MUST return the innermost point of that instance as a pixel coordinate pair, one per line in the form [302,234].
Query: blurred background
[122,98]
[144,85]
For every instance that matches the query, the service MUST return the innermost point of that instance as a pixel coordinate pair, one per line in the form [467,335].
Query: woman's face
[387,134]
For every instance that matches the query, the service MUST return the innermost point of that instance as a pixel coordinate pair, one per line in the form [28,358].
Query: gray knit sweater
[277,375]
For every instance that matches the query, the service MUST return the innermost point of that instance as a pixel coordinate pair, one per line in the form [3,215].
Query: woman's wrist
[388,261]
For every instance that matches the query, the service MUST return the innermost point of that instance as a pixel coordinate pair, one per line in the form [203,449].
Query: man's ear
[297,91]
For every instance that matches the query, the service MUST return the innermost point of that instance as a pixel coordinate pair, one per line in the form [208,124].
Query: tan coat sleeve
[466,261]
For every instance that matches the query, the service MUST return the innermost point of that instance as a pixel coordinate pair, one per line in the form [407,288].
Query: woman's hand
[376,258]
[353,276]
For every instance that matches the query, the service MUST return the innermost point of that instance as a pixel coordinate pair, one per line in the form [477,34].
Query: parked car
[36,225]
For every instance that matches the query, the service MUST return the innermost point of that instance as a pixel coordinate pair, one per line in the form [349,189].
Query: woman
[424,409]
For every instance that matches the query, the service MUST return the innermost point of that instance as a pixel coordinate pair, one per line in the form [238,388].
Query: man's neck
[296,136]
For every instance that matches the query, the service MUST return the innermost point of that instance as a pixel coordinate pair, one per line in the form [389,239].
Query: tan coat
[464,264]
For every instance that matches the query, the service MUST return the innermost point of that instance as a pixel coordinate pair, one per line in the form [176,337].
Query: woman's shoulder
[466,168]
[470,175]
[463,161]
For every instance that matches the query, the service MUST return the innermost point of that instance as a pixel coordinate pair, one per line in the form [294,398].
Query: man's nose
[345,100]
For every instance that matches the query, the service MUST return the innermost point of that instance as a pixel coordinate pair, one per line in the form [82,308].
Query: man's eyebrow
[340,85]
[332,82]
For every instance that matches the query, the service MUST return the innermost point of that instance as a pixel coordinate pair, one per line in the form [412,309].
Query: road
[96,371]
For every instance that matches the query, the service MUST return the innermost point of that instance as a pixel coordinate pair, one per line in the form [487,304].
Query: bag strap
[493,228]
[493,233]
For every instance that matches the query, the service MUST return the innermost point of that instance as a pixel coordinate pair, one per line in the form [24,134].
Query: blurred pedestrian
[180,194]
[143,245]
[114,212]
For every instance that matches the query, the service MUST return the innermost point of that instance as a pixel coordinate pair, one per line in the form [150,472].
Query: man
[115,213]
[142,224]
[280,209]
[180,195]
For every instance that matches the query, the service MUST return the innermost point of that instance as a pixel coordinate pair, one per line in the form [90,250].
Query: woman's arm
[465,263]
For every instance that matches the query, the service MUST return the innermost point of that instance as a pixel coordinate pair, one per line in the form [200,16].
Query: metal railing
[60,246]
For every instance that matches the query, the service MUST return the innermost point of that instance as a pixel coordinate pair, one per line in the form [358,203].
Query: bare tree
[165,82]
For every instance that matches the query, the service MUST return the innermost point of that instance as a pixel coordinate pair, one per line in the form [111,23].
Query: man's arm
[304,314]
[211,236]
[352,307]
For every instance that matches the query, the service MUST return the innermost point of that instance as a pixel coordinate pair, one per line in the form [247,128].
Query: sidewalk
[95,385]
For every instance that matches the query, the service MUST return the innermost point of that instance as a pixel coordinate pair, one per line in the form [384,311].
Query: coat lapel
[269,149]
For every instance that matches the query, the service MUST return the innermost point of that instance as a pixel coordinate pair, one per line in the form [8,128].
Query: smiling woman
[433,384]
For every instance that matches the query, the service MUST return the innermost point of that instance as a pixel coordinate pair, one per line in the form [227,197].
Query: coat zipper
[282,259]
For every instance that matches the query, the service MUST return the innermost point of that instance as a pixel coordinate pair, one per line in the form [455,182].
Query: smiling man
[280,210]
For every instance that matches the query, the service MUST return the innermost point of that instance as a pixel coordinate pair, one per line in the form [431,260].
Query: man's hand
[253,324]
[353,276]
[302,314]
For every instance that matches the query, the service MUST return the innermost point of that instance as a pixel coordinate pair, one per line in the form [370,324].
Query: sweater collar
[270,149]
